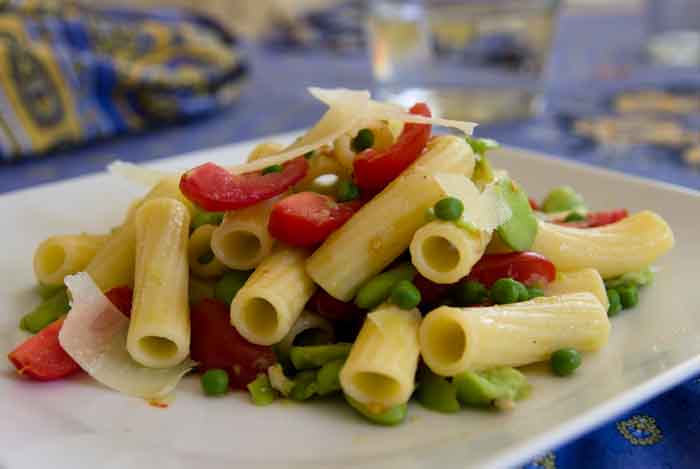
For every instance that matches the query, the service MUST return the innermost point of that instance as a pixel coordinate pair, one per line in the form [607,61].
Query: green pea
[206,218]
[405,295]
[615,303]
[562,198]
[232,281]
[391,416]
[523,293]
[565,361]
[575,216]
[261,392]
[275,168]
[304,386]
[46,313]
[639,279]
[437,393]
[484,388]
[47,291]
[629,296]
[505,291]
[206,258]
[449,208]
[469,293]
[215,382]
[482,145]
[347,191]
[362,141]
[315,356]
[376,290]
[534,292]
[328,377]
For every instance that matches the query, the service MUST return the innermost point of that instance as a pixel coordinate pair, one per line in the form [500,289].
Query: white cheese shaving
[94,335]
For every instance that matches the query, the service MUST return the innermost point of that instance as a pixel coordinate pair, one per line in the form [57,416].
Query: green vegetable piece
[362,141]
[561,199]
[486,387]
[405,295]
[328,377]
[629,296]
[278,380]
[47,291]
[206,218]
[523,293]
[347,191]
[206,258]
[469,293]
[574,216]
[304,386]
[534,293]
[46,313]
[215,382]
[565,361]
[481,145]
[391,416]
[506,290]
[232,281]
[261,392]
[615,303]
[449,208]
[376,290]
[437,393]
[520,230]
[483,172]
[315,356]
[639,279]
[275,168]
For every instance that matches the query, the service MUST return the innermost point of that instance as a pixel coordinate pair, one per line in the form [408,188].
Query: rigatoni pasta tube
[584,280]
[628,245]
[242,240]
[265,308]
[453,340]
[381,368]
[201,258]
[159,330]
[321,165]
[444,253]
[59,256]
[382,229]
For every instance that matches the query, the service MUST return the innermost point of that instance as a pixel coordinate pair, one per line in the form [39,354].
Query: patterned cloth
[71,74]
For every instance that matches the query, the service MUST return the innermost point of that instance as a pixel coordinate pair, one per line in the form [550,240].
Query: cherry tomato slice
[307,218]
[430,292]
[597,219]
[527,267]
[121,298]
[374,169]
[42,358]
[533,203]
[217,344]
[218,190]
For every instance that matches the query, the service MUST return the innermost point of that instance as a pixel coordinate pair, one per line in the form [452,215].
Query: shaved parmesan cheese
[94,335]
[138,174]
[485,210]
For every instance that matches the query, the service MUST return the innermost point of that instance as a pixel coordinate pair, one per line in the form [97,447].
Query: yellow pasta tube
[159,330]
[584,280]
[199,253]
[444,253]
[264,149]
[59,256]
[242,240]
[382,229]
[321,165]
[453,340]
[380,370]
[273,297]
[629,245]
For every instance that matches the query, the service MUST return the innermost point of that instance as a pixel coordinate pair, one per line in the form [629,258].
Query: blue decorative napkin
[72,74]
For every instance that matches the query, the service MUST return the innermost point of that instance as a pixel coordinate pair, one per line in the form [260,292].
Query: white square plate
[79,424]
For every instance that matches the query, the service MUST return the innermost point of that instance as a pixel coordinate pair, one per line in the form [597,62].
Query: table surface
[274,100]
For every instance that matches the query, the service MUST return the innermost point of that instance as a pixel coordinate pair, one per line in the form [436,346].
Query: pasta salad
[369,259]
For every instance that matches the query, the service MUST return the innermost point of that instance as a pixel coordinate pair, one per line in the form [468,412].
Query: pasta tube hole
[445,340]
[260,316]
[158,347]
[51,258]
[381,387]
[440,254]
[242,245]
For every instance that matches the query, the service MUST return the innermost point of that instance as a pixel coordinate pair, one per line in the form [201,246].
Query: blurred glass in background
[674,27]
[480,60]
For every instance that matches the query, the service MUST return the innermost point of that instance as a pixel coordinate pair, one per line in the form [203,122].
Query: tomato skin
[121,298]
[374,169]
[430,292]
[217,344]
[526,267]
[218,190]
[331,308]
[597,219]
[41,356]
[306,219]
[533,203]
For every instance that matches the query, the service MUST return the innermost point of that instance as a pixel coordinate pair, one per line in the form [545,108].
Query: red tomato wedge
[121,298]
[307,218]
[527,267]
[331,308]
[430,292]
[217,344]
[218,190]
[374,170]
[41,357]
[533,203]
[596,219]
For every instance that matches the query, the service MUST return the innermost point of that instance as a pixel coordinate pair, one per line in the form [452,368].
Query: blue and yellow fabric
[71,73]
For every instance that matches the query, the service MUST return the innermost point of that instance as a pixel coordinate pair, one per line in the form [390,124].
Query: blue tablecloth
[662,433]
